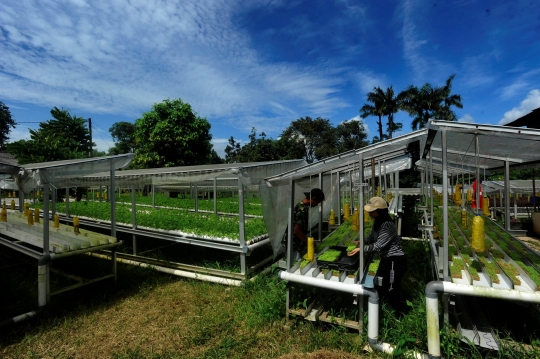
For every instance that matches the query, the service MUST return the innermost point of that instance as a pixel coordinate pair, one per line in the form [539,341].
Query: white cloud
[531,102]
[520,83]
[368,80]
[121,56]
[358,118]
[466,118]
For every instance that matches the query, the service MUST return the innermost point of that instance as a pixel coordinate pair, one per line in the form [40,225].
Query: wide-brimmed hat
[315,193]
[375,203]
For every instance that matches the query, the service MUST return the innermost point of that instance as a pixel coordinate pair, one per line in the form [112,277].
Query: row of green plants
[224,204]
[492,260]
[198,224]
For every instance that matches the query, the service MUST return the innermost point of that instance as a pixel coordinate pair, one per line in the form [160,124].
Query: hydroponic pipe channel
[432,309]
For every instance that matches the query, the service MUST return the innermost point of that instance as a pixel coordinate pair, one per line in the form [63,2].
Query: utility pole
[90,130]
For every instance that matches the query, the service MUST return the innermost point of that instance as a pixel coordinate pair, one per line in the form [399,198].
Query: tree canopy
[6,124]
[61,138]
[171,134]
[123,134]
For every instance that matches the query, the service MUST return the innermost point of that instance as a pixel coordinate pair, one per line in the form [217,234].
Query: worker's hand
[353,252]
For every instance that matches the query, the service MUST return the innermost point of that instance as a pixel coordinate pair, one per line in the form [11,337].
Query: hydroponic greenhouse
[473,250]
[225,223]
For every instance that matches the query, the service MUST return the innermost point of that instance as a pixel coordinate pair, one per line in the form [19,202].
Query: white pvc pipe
[432,307]
[185,274]
[373,308]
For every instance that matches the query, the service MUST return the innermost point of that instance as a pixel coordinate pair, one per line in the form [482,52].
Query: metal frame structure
[46,175]
[219,177]
[287,184]
[473,148]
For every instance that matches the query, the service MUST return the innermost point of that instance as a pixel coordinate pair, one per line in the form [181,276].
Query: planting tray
[343,262]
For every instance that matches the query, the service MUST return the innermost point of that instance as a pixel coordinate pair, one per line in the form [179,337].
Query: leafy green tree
[375,108]
[449,100]
[123,134]
[171,134]
[262,149]
[318,135]
[351,135]
[61,138]
[6,124]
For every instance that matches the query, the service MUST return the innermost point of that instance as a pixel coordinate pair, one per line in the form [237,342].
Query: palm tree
[448,100]
[391,106]
[375,108]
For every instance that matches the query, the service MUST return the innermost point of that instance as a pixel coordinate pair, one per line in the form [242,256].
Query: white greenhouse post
[289,249]
[361,239]
[100,193]
[67,202]
[478,184]
[351,207]
[113,202]
[339,198]
[384,176]
[431,186]
[242,224]
[215,195]
[422,184]
[53,206]
[196,193]
[153,196]
[380,176]
[134,218]
[501,199]
[43,263]
[445,204]
[320,208]
[507,195]
[21,201]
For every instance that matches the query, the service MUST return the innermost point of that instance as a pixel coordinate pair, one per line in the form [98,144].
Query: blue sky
[262,63]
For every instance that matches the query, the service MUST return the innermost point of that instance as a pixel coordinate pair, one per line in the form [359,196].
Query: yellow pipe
[56,221]
[3,216]
[12,205]
[485,207]
[355,220]
[76,224]
[332,219]
[346,210]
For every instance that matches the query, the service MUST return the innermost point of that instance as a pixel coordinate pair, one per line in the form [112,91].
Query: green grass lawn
[153,315]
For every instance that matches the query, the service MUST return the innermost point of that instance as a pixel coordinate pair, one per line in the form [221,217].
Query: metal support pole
[445,204]
[380,177]
[320,208]
[384,181]
[351,207]
[113,202]
[290,238]
[422,183]
[196,192]
[134,218]
[153,196]
[100,193]
[215,195]
[373,189]
[361,237]
[431,186]
[67,202]
[53,206]
[21,201]
[339,198]
[507,195]
[241,220]
[478,185]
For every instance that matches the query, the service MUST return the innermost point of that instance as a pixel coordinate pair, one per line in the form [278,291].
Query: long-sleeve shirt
[385,240]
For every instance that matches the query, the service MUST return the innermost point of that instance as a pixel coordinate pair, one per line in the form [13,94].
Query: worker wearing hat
[301,220]
[385,240]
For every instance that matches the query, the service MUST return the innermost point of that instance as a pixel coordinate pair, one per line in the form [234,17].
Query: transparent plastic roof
[453,168]
[386,167]
[516,186]
[348,160]
[496,144]
[249,173]
[33,175]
